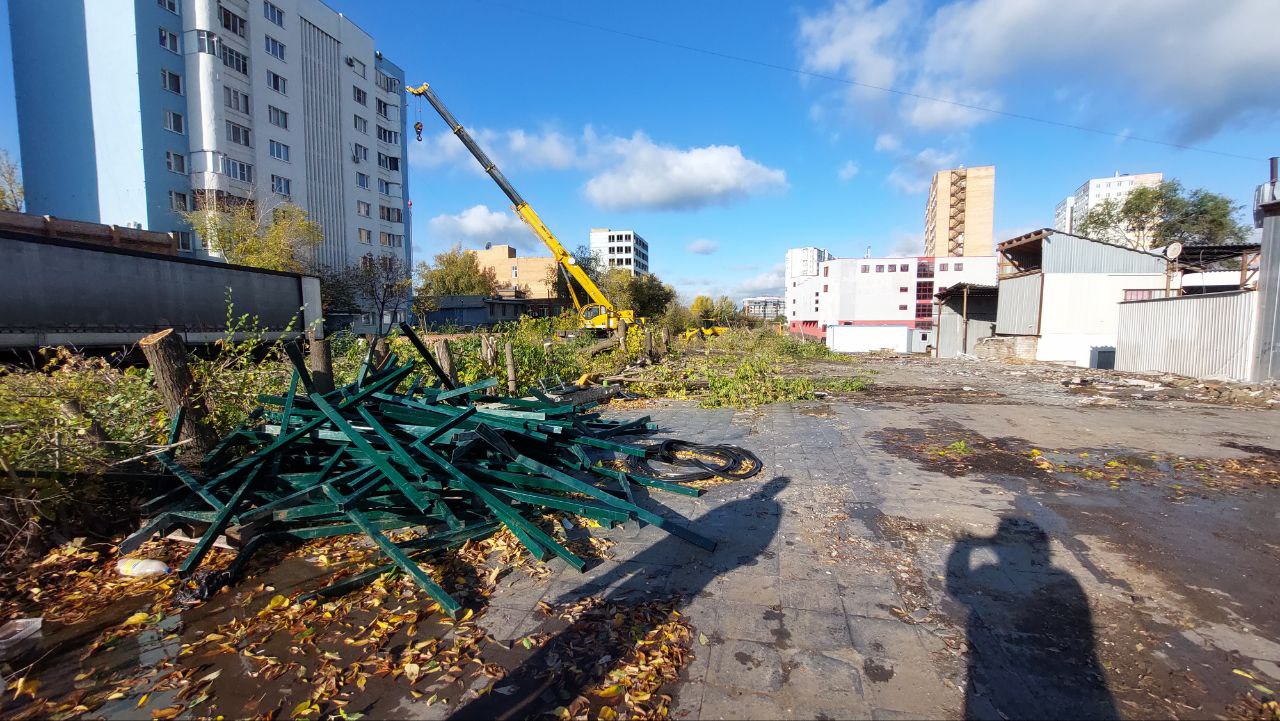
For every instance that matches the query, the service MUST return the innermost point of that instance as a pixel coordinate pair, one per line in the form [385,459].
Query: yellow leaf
[611,691]
[278,601]
[411,671]
[606,713]
[467,616]
[143,701]
[137,618]
[166,713]
[305,708]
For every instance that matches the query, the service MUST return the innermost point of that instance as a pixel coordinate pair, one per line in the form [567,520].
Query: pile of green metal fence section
[402,448]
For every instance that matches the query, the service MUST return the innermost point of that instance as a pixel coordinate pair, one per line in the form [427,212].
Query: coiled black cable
[710,461]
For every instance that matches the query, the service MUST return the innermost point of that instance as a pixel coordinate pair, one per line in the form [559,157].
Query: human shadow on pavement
[580,656]
[1030,630]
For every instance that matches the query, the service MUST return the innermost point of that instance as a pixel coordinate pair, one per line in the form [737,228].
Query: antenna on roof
[868,254]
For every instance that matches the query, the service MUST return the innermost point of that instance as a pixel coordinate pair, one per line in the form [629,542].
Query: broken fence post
[445,353]
[167,356]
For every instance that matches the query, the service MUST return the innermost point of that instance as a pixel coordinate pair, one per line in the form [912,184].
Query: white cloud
[703,246]
[549,149]
[1197,66]
[646,175]
[507,149]
[913,173]
[847,171]
[906,245]
[479,224]
[767,283]
[887,143]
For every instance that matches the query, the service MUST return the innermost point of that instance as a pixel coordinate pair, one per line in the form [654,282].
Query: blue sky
[723,164]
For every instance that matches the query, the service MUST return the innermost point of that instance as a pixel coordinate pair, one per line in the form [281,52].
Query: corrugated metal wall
[1018,312]
[1268,363]
[1204,336]
[1062,253]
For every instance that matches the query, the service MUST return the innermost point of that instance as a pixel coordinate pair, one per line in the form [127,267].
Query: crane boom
[523,209]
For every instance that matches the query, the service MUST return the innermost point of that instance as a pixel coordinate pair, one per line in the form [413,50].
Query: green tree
[1154,217]
[703,307]
[453,272]
[726,310]
[644,293]
[12,193]
[589,262]
[272,235]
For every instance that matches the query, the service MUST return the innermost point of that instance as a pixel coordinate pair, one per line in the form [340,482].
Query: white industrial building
[623,249]
[802,288]
[1069,213]
[887,303]
[1059,296]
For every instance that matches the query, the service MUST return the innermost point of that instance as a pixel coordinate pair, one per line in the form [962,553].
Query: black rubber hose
[726,461]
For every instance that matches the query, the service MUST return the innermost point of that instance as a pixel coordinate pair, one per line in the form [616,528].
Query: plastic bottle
[141,567]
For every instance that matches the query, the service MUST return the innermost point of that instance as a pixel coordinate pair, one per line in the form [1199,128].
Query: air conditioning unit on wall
[351,62]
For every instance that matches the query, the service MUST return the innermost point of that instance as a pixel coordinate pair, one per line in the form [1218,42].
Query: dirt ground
[964,539]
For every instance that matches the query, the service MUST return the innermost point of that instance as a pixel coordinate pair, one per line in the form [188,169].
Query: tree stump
[511,369]
[167,356]
[622,335]
[648,344]
[321,363]
[445,355]
[380,351]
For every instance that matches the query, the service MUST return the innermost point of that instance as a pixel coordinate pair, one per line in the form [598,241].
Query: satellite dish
[1173,250]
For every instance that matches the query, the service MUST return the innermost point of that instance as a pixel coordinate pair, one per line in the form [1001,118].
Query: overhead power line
[846,81]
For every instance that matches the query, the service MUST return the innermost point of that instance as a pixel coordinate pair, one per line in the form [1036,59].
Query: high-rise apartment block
[132,111]
[620,249]
[1069,213]
[960,212]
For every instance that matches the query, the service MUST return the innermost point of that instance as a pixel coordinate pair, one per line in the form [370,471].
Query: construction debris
[417,464]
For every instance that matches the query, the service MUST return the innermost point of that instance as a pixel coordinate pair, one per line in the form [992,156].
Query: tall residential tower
[131,111]
[960,212]
[623,249]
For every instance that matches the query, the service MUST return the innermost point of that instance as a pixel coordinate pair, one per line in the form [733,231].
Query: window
[239,134]
[236,169]
[826,271]
[278,150]
[178,200]
[903,267]
[277,117]
[924,310]
[391,215]
[232,22]
[924,270]
[903,289]
[879,268]
[184,239]
[281,185]
[362,180]
[365,235]
[384,110]
[174,121]
[207,42]
[169,40]
[363,208]
[275,48]
[170,5]
[277,83]
[360,95]
[824,289]
[391,240]
[359,152]
[902,307]
[235,99]
[389,162]
[388,136]
[362,125]
[893,267]
[1138,295]
[387,187]
[866,269]
[237,61]
[273,13]
[959,266]
[942,267]
[175,162]
[357,67]
[171,81]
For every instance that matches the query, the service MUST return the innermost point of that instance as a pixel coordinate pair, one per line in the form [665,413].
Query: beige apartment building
[532,275]
[960,213]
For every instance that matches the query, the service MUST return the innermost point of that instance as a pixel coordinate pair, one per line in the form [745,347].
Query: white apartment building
[620,249]
[764,307]
[132,111]
[1094,192]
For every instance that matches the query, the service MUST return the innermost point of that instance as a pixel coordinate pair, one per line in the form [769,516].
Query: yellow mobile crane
[598,313]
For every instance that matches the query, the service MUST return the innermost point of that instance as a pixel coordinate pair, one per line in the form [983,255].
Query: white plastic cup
[141,567]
